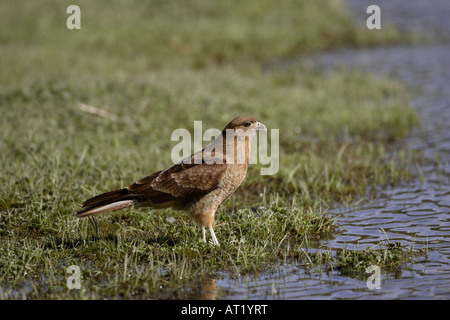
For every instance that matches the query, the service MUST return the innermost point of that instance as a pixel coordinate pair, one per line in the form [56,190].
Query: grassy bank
[154,68]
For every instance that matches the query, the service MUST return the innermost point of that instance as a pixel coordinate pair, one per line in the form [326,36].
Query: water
[417,213]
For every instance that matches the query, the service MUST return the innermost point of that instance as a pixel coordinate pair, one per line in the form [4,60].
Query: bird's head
[245,123]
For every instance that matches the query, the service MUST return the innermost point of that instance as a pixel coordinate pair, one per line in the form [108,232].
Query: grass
[392,257]
[158,66]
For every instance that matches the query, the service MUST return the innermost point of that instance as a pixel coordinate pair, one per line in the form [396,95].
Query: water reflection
[208,290]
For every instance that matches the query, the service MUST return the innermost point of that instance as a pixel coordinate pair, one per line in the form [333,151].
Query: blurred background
[85,111]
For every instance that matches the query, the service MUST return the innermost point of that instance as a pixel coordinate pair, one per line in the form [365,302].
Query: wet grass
[155,68]
[392,257]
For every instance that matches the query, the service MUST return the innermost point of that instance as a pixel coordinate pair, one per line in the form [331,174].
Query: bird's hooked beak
[260,127]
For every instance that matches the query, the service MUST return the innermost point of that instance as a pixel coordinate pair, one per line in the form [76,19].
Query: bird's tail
[107,202]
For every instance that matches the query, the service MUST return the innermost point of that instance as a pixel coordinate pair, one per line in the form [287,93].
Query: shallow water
[417,213]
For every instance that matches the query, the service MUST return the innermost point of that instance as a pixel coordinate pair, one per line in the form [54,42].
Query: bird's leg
[203,234]
[213,236]
[206,219]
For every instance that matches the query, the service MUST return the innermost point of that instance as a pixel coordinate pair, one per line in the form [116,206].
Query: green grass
[157,67]
[392,257]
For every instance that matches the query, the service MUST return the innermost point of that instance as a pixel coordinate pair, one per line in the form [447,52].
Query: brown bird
[198,184]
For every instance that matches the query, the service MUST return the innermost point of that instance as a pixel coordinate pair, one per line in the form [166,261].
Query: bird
[198,184]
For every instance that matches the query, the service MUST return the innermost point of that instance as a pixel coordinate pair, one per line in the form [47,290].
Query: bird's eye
[247,124]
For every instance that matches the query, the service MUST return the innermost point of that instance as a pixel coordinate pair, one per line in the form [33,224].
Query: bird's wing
[185,179]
